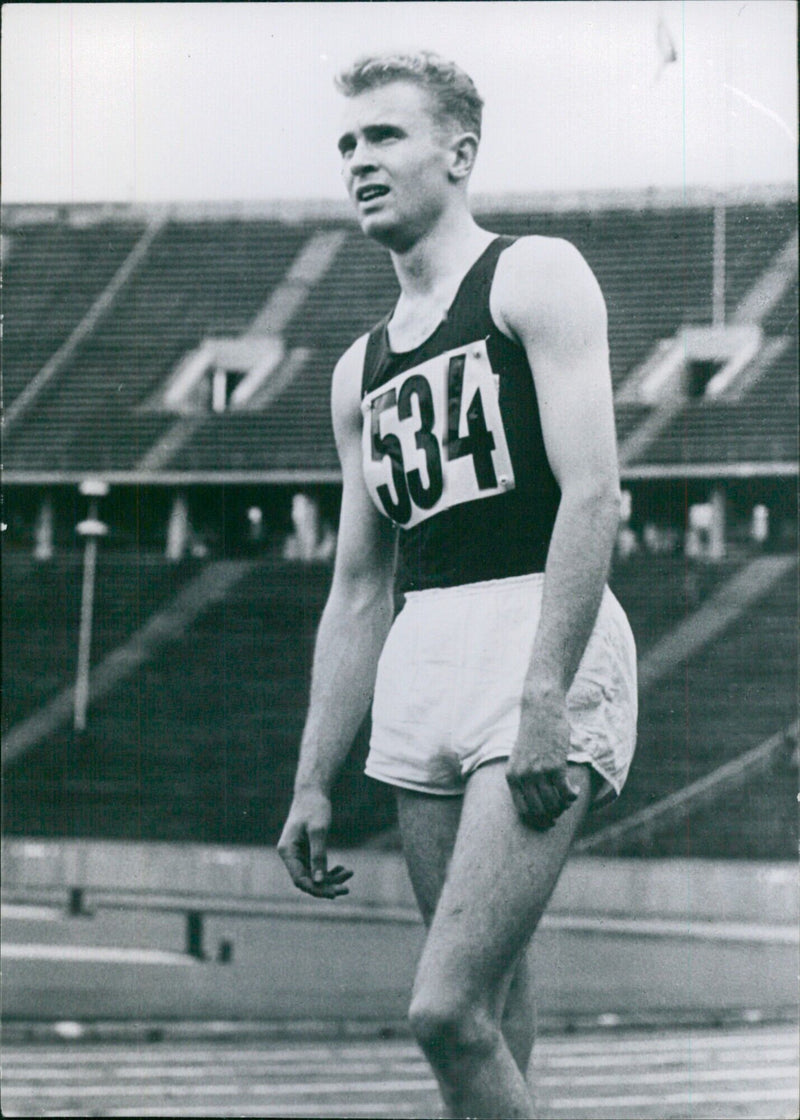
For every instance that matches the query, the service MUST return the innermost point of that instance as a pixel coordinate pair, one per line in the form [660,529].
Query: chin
[380,227]
[388,231]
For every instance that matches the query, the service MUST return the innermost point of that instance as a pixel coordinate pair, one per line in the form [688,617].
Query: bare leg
[428,826]
[500,878]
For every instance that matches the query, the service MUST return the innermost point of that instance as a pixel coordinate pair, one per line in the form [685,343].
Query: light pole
[92,529]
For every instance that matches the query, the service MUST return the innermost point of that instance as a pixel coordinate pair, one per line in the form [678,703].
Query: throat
[410,326]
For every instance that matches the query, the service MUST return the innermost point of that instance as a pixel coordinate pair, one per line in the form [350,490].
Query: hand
[303,846]
[537,769]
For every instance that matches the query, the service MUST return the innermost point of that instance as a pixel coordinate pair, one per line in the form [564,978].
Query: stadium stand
[199,279]
[52,273]
[731,695]
[197,740]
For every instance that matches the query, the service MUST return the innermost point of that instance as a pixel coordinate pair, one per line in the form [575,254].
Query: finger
[321,890]
[520,804]
[319,855]
[297,868]
[339,875]
[566,789]
[538,815]
[528,803]
[548,794]
[328,890]
[304,882]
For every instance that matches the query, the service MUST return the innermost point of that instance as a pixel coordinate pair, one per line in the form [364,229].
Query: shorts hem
[611,788]
[609,791]
[415,787]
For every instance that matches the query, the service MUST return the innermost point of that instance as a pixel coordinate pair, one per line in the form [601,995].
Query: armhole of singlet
[506,241]
[372,352]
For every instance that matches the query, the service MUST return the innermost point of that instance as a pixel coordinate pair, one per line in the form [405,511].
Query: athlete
[476,436]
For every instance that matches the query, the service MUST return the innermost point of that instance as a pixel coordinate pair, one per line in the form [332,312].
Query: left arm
[548,299]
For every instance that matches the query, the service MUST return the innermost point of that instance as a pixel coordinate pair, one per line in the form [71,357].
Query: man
[475,429]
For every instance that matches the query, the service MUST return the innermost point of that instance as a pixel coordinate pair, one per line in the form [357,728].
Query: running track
[740,1072]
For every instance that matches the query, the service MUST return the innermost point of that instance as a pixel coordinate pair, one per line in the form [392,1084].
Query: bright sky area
[203,102]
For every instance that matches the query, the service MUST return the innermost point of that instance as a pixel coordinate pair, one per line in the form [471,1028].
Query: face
[396,162]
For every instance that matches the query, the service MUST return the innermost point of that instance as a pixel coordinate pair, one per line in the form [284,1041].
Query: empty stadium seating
[52,273]
[715,705]
[199,742]
[204,278]
[198,280]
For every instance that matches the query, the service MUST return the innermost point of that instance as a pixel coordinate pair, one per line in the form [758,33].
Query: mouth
[370,191]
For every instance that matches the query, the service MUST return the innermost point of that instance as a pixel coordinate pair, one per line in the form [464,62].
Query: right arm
[351,635]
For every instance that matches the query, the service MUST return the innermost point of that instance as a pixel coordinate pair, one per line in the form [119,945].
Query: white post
[716,543]
[91,529]
[43,531]
[718,293]
[85,633]
[178,529]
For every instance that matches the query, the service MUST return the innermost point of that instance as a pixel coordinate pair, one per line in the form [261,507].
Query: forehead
[399,102]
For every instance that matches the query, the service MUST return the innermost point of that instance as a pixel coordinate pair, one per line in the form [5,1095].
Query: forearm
[575,575]
[351,634]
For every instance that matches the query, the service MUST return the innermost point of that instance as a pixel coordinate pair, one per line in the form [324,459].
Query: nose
[361,161]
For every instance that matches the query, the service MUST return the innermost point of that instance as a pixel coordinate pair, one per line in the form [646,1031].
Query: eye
[346,146]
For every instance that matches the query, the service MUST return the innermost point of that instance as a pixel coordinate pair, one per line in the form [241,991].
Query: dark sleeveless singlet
[453,450]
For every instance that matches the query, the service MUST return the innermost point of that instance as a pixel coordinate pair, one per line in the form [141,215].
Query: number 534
[460,434]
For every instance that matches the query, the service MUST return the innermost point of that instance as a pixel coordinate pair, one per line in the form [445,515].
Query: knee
[449,1031]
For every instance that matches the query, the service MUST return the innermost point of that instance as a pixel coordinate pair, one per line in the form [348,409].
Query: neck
[446,250]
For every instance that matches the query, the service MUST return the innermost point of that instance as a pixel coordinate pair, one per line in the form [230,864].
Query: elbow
[600,494]
[612,498]
[607,501]
[362,592]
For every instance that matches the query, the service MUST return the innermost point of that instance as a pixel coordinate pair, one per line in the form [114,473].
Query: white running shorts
[450,677]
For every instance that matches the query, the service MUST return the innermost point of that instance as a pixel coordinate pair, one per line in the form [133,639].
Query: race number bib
[433,437]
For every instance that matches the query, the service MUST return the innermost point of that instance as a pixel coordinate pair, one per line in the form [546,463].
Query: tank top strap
[472,301]
[376,352]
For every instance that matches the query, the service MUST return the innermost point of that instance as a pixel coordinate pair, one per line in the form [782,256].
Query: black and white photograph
[400,560]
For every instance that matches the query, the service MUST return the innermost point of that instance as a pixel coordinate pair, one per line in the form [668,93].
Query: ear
[463,152]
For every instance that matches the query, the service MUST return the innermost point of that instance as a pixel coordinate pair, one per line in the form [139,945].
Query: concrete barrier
[620,937]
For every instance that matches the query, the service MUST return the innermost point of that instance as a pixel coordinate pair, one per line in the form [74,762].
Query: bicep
[558,314]
[577,414]
[365,544]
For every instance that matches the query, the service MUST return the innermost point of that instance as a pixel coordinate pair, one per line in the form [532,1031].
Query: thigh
[500,878]
[428,827]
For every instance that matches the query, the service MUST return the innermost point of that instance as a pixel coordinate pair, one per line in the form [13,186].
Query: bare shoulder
[346,388]
[544,285]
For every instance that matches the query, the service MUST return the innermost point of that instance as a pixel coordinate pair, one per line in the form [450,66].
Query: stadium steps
[753,237]
[212,277]
[199,279]
[195,442]
[660,592]
[41,609]
[627,250]
[200,741]
[733,777]
[720,701]
[50,281]
[164,626]
[700,430]
[86,327]
[737,595]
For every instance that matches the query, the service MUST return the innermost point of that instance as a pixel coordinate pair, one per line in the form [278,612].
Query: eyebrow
[372,132]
